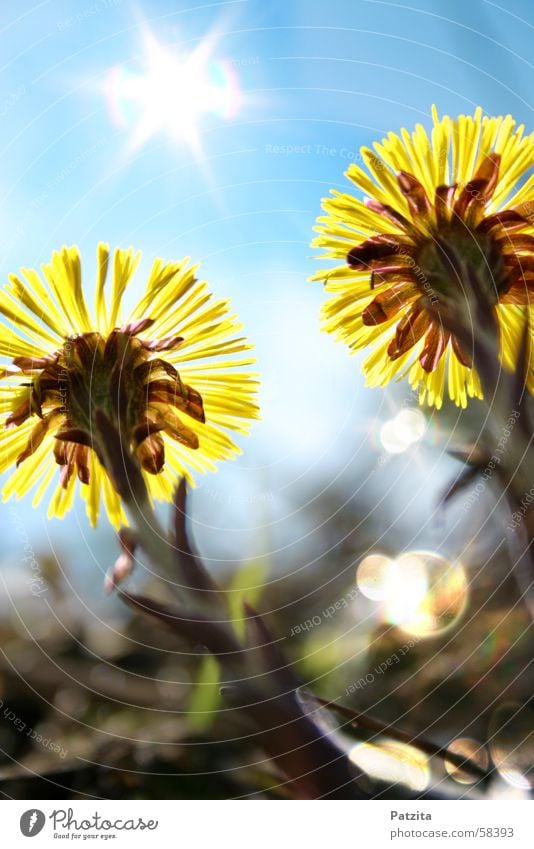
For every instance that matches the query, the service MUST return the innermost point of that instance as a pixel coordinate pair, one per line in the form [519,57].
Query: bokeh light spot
[430,595]
[393,763]
[405,429]
[375,576]
[464,747]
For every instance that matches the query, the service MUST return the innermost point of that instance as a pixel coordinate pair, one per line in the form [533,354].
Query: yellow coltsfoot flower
[169,377]
[467,187]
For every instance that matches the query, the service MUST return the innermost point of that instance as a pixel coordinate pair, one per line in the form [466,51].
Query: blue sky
[317,80]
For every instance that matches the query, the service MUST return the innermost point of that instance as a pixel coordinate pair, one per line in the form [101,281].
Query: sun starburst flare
[170,377]
[171,92]
[468,188]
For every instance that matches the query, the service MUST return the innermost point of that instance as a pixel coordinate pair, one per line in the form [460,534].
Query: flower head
[168,376]
[466,191]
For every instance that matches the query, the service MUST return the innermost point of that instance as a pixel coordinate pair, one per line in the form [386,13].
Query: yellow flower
[465,187]
[167,376]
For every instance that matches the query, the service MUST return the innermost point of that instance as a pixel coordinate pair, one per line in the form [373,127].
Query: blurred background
[213,131]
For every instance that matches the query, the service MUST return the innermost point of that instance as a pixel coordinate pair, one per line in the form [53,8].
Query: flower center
[441,245]
[436,273]
[140,393]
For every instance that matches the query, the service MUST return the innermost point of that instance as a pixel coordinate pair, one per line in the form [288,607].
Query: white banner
[260,824]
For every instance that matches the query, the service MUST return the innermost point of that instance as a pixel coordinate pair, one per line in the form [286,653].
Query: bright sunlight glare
[170,92]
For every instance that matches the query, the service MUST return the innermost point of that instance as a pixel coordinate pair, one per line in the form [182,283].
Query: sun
[169,92]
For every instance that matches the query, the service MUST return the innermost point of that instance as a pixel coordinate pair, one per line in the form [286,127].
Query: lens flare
[471,750]
[170,92]
[511,744]
[405,429]
[393,763]
[429,596]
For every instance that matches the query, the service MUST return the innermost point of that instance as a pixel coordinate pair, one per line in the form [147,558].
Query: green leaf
[205,698]
[247,585]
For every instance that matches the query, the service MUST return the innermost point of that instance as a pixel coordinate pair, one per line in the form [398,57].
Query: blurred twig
[313,764]
[363,720]
[505,395]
